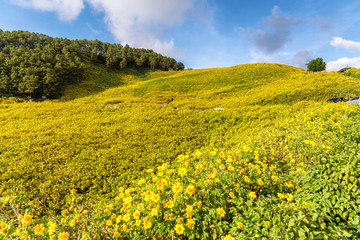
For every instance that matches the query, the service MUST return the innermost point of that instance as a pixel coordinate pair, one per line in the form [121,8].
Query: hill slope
[97,139]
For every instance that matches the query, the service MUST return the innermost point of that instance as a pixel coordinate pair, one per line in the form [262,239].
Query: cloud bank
[139,23]
[346,44]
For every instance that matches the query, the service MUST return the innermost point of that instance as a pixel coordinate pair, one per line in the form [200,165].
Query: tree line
[32,64]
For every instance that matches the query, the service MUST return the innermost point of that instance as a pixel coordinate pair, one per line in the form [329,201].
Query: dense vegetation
[137,154]
[32,64]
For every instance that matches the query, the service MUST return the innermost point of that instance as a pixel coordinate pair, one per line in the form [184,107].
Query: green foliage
[316,65]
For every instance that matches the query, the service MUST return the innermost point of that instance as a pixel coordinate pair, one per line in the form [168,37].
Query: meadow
[139,154]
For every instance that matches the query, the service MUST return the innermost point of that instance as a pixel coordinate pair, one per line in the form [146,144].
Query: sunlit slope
[97,78]
[120,123]
[244,85]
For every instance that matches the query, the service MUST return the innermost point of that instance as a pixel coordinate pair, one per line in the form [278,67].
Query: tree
[180,66]
[316,65]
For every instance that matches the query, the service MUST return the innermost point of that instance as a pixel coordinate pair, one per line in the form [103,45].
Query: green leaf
[315,216]
[291,223]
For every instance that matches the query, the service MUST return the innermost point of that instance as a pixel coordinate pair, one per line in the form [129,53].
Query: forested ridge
[32,64]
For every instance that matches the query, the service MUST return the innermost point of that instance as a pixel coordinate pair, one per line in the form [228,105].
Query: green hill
[274,160]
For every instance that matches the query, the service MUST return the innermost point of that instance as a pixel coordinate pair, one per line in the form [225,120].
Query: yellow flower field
[151,158]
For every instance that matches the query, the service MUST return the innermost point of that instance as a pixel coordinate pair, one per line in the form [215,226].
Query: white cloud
[67,10]
[343,62]
[346,44]
[139,23]
[259,57]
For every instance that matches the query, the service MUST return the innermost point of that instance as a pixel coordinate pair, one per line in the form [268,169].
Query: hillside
[33,64]
[270,164]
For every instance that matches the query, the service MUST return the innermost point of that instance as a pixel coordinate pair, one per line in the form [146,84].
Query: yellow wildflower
[260,181]
[252,194]
[27,219]
[52,227]
[126,217]
[289,197]
[240,225]
[64,236]
[147,223]
[221,212]
[182,171]
[191,189]
[247,179]
[229,237]
[109,223]
[179,229]
[274,178]
[190,223]
[137,214]
[154,212]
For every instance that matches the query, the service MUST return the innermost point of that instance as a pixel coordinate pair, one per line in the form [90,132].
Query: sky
[204,33]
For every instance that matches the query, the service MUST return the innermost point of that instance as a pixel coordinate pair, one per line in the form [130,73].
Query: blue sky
[203,33]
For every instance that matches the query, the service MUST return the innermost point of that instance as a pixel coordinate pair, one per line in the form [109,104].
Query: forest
[33,64]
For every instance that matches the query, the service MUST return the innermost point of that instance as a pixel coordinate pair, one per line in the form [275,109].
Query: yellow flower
[221,212]
[116,235]
[52,227]
[297,187]
[260,182]
[109,223]
[182,171]
[240,225]
[64,236]
[274,178]
[190,189]
[189,211]
[52,237]
[179,229]
[136,214]
[252,194]
[231,194]
[229,237]
[199,204]
[78,217]
[177,188]
[161,184]
[247,179]
[289,184]
[27,219]
[154,212]
[64,213]
[3,231]
[147,223]
[190,223]
[289,197]
[280,195]
[126,217]
[155,198]
[170,204]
